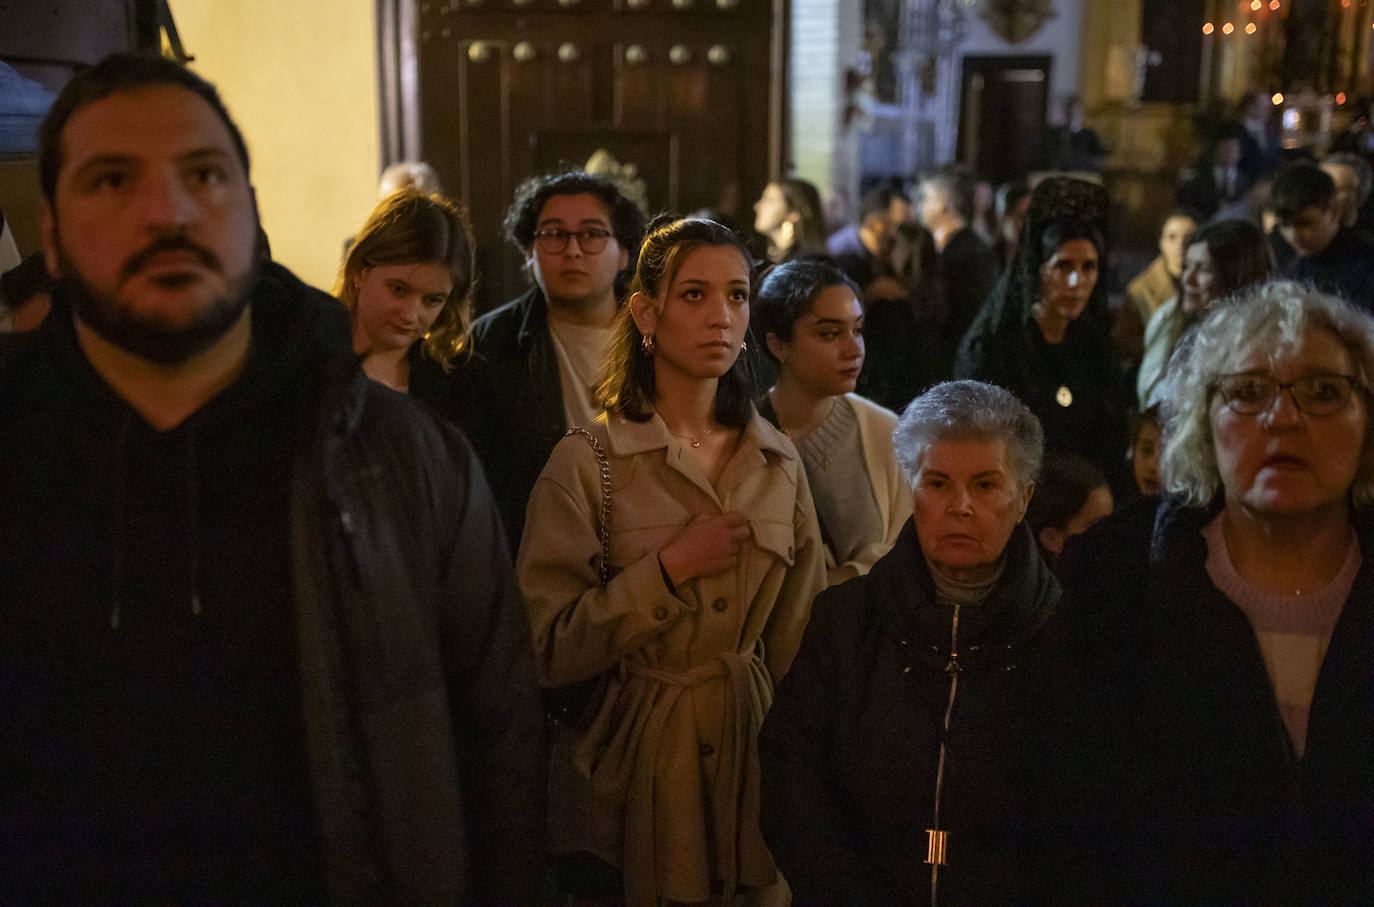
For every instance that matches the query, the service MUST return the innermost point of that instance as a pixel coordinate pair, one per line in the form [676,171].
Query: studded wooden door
[686,92]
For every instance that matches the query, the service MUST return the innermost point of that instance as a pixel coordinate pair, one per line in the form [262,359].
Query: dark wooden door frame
[422,44]
[398,81]
[981,64]
[398,84]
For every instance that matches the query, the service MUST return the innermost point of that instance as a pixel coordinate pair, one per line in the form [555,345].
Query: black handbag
[564,705]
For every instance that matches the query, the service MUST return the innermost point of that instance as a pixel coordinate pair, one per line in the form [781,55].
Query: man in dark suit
[968,266]
[1072,147]
[1218,178]
[1259,141]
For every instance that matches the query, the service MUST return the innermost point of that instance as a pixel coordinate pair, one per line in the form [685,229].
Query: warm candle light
[1277,98]
[1227,28]
[1256,4]
[1207,28]
[1250,29]
[1340,97]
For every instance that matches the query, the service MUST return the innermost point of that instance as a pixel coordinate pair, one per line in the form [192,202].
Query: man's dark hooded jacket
[275,652]
[851,747]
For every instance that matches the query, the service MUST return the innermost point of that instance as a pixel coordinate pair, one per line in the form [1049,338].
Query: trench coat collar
[628,437]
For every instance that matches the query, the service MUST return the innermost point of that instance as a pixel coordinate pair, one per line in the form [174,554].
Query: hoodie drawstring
[117,555]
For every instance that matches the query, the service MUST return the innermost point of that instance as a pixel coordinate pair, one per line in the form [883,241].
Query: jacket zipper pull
[937,843]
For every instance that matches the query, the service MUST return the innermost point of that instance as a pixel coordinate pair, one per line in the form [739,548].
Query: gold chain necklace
[695,441]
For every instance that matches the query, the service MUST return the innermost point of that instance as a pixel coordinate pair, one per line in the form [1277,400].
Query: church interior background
[701,101]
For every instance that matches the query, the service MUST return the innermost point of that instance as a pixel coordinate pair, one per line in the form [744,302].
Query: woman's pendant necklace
[695,442]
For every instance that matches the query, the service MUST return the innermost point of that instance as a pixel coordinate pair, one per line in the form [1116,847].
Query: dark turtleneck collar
[902,590]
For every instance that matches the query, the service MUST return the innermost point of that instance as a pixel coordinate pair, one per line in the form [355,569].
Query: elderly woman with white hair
[1235,617]
[905,759]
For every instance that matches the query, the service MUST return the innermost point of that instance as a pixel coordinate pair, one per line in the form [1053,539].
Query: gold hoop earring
[646,343]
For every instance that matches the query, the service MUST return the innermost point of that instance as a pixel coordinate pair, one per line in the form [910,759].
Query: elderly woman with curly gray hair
[911,753]
[1233,619]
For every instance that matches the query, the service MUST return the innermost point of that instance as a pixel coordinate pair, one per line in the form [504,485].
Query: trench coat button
[706,750]
[719,605]
[660,613]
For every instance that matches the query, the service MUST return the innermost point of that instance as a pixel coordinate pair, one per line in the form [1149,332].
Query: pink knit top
[1293,630]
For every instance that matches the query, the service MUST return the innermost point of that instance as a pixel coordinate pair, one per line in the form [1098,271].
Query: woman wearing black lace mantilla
[1043,333]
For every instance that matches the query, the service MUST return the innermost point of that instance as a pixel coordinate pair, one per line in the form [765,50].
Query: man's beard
[151,337]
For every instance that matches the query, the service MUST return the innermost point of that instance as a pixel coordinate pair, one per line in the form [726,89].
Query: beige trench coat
[660,776]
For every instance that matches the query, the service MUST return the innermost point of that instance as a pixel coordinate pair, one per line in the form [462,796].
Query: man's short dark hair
[957,185]
[1229,129]
[627,221]
[119,73]
[1364,174]
[879,201]
[1062,490]
[1298,187]
[1008,195]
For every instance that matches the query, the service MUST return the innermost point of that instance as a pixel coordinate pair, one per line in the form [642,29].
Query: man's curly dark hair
[627,221]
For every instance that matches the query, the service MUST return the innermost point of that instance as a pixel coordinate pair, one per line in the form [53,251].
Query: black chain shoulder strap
[603,569]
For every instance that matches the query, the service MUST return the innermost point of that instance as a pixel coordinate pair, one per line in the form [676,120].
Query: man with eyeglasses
[532,363]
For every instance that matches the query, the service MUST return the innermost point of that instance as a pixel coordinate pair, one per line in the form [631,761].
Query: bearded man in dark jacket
[259,636]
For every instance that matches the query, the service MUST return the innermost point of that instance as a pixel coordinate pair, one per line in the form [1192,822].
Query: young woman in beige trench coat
[716,557]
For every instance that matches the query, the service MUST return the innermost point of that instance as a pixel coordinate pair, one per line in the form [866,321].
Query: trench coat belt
[691,677]
[752,689]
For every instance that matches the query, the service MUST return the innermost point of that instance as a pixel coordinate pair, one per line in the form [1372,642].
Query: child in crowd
[1071,494]
[1146,441]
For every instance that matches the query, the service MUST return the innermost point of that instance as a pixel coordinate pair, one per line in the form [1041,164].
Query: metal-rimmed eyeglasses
[555,239]
[1252,393]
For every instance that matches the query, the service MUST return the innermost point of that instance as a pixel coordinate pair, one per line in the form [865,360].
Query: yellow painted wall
[300,79]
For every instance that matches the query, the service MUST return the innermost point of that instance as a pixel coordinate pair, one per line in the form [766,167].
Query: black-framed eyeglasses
[1251,393]
[555,239]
